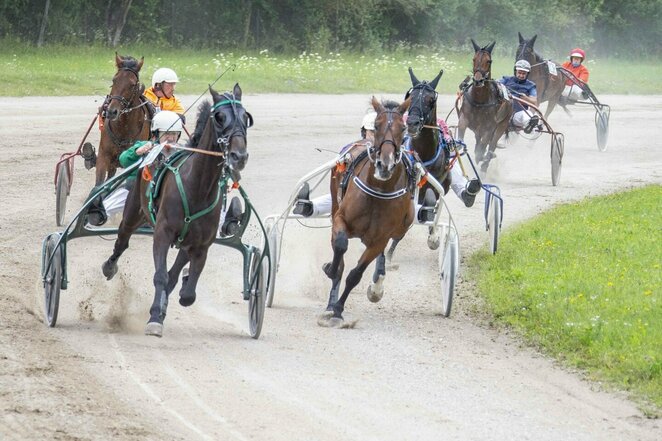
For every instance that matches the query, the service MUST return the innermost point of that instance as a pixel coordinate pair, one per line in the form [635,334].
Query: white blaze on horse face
[384,168]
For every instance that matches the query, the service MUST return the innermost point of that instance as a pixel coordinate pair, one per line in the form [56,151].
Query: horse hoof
[109,269]
[154,328]
[375,295]
[433,241]
[186,301]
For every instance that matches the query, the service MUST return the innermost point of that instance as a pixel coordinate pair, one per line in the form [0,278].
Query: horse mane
[128,62]
[204,110]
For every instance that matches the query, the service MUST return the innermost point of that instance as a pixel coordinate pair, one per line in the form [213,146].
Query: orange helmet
[577,52]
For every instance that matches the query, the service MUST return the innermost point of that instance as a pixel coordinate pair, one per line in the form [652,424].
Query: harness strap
[376,193]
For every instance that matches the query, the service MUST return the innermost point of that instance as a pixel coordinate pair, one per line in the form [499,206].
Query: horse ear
[521,39]
[250,120]
[376,105]
[475,45]
[402,108]
[490,47]
[216,97]
[118,60]
[237,92]
[140,63]
[533,40]
[434,82]
[414,80]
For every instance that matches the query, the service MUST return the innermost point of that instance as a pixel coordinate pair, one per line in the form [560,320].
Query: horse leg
[376,288]
[389,254]
[354,277]
[335,286]
[176,268]
[159,307]
[198,258]
[339,243]
[132,219]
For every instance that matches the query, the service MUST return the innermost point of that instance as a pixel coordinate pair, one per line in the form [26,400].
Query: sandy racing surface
[403,373]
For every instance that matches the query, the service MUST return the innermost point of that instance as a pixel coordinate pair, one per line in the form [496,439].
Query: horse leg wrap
[380,268]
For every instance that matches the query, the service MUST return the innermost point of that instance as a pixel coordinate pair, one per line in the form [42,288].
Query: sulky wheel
[259,271]
[61,192]
[273,237]
[448,269]
[602,127]
[556,156]
[494,223]
[52,279]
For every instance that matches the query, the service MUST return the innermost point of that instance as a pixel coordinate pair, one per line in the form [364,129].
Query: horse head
[126,86]
[231,123]
[389,134]
[525,49]
[482,63]
[423,108]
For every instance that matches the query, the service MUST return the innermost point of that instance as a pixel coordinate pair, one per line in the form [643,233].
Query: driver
[572,91]
[162,92]
[520,86]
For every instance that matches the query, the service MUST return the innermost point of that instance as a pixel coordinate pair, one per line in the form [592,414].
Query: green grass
[87,70]
[584,283]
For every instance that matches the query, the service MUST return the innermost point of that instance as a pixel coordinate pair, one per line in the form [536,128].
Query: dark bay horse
[376,206]
[483,109]
[548,87]
[125,115]
[424,139]
[194,190]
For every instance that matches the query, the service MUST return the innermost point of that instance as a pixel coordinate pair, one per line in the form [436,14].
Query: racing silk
[526,88]
[581,72]
[172,103]
[129,157]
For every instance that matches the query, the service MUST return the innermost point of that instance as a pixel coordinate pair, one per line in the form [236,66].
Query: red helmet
[577,52]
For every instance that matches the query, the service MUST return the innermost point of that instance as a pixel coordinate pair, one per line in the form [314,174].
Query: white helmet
[166,121]
[523,65]
[164,74]
[369,120]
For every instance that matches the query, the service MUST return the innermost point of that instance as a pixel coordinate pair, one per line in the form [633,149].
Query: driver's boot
[303,205]
[470,192]
[426,213]
[89,155]
[533,123]
[233,217]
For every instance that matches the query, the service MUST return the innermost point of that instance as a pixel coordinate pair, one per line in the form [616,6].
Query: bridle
[485,73]
[236,127]
[423,117]
[135,92]
[376,151]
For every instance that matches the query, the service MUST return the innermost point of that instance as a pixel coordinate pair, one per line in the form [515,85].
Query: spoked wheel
[52,279]
[494,223]
[602,127]
[556,157]
[61,192]
[448,269]
[258,289]
[273,237]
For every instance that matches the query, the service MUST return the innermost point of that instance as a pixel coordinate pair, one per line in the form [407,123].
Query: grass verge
[88,70]
[584,283]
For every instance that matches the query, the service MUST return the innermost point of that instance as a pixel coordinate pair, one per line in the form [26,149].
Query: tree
[116,14]
[42,29]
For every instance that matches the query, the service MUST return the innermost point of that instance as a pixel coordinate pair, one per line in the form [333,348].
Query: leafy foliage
[604,27]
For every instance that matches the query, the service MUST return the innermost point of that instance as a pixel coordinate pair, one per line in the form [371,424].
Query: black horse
[186,210]
[483,109]
[548,87]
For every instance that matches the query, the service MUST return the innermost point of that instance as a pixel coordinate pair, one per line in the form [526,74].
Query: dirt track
[403,373]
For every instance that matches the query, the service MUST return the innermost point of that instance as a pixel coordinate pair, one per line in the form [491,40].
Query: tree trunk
[247,27]
[120,24]
[42,30]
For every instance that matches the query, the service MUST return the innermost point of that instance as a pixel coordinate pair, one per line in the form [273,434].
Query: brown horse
[375,207]
[548,87]
[187,208]
[125,114]
[483,109]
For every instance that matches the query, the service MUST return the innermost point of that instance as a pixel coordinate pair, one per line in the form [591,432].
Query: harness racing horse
[125,114]
[483,109]
[376,206]
[549,87]
[424,138]
[185,212]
